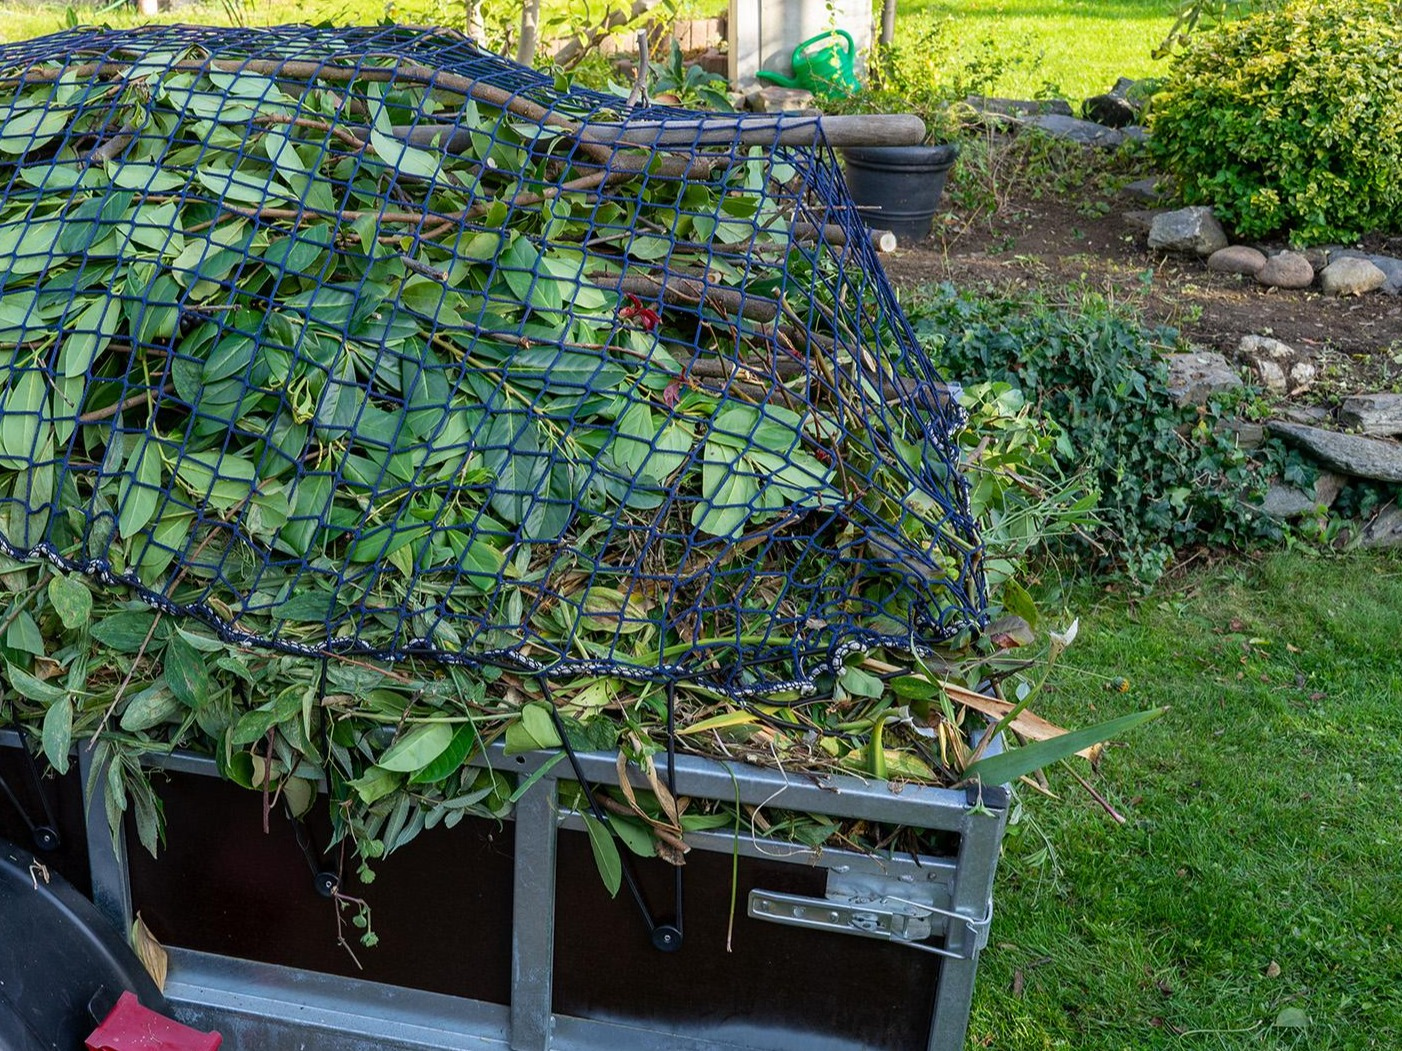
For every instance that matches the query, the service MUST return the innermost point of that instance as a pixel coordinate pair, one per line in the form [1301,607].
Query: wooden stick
[872,129]
[881,240]
[690,291]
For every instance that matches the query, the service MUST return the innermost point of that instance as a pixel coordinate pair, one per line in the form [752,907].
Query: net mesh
[367,341]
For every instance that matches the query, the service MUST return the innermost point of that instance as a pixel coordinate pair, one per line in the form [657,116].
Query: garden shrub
[1290,120]
[1167,477]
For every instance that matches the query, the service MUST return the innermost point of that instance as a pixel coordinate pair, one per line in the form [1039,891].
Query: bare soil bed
[1040,242]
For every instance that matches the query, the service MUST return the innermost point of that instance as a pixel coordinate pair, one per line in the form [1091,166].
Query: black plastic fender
[61,962]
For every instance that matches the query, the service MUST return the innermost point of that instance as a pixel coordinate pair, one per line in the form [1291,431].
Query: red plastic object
[131,1027]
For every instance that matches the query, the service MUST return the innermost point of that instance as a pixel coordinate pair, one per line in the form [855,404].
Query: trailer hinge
[891,919]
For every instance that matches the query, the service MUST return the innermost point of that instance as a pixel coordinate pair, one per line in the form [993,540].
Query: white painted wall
[763,33]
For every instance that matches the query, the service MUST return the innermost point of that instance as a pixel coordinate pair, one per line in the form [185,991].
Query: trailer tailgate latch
[893,919]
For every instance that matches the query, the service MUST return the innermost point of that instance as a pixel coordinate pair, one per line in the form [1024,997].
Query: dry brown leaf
[1027,724]
[153,957]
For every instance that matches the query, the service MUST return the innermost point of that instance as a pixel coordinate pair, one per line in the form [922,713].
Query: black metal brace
[44,833]
[666,935]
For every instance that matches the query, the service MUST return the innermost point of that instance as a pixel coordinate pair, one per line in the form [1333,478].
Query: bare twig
[638,96]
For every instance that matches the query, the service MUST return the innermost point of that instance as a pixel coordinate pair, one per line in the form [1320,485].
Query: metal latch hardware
[888,918]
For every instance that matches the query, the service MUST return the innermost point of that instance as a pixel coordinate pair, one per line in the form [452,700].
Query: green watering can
[825,71]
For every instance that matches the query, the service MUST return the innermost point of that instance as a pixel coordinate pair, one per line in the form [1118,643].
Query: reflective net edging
[366,341]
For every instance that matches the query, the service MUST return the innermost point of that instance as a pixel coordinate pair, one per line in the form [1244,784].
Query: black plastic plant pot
[898,188]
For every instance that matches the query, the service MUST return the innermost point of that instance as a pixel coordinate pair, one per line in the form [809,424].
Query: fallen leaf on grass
[1292,1018]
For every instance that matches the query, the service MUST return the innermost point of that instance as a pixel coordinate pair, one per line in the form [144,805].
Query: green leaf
[1016,600]
[533,732]
[126,631]
[1292,1018]
[58,733]
[27,685]
[24,635]
[417,748]
[140,488]
[23,414]
[185,672]
[71,600]
[285,706]
[450,760]
[536,774]
[407,160]
[634,835]
[522,470]
[375,784]
[151,707]
[307,606]
[1008,766]
[728,493]
[92,330]
[606,855]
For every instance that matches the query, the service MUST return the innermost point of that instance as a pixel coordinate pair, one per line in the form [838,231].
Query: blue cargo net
[367,341]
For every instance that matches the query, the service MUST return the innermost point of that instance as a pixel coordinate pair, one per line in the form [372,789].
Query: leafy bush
[1290,120]
[1167,478]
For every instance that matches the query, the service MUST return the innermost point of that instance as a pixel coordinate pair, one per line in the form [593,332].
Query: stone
[1286,501]
[1375,414]
[1237,259]
[1110,110]
[1351,276]
[1383,531]
[1392,270]
[1348,453]
[1280,367]
[1085,132]
[1249,435]
[1286,270]
[1328,486]
[1141,220]
[1019,107]
[1309,415]
[1147,190]
[1193,230]
[774,99]
[1197,375]
[1135,133]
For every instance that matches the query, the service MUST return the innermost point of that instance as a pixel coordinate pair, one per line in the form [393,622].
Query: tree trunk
[888,23]
[530,33]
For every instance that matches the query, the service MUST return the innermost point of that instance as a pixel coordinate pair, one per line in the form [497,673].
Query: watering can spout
[777,78]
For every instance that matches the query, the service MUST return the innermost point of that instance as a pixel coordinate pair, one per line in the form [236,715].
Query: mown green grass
[1070,47]
[21,20]
[1261,824]
[1066,48]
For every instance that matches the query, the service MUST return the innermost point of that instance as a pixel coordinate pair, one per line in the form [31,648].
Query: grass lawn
[1067,48]
[1261,825]
[1078,47]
